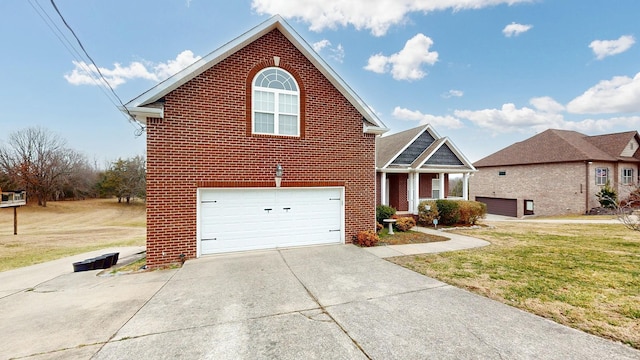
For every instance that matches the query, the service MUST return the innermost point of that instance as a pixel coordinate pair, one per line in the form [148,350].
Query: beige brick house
[556,172]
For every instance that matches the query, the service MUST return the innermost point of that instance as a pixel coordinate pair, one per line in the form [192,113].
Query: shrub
[471,211]
[449,212]
[426,217]
[607,197]
[405,223]
[384,212]
[366,238]
[379,226]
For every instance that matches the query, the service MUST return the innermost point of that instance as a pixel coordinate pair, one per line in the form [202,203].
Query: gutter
[141,114]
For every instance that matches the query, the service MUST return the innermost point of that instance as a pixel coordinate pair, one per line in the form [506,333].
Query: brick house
[556,172]
[415,165]
[258,145]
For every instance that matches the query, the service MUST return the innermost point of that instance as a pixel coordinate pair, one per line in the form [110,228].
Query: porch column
[416,193]
[465,186]
[410,192]
[442,188]
[383,188]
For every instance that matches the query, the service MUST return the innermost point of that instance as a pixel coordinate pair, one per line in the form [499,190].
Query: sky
[485,73]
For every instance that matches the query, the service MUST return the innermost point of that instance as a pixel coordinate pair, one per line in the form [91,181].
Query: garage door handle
[267,210]
[286,209]
[334,230]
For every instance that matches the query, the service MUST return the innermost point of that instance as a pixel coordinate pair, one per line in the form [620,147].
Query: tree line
[40,162]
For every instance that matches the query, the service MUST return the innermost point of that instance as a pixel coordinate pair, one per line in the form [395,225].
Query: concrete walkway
[455,242]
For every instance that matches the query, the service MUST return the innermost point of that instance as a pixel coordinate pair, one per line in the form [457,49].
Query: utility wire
[57,32]
[96,66]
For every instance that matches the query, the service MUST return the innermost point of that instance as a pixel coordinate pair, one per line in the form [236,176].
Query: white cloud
[334,52]
[414,115]
[118,75]
[510,119]
[546,104]
[318,46]
[407,63]
[453,93]
[621,94]
[604,48]
[376,16]
[515,29]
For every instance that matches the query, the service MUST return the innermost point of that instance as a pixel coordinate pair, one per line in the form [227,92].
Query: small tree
[607,197]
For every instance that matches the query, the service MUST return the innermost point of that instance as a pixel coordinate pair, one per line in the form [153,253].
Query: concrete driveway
[329,302]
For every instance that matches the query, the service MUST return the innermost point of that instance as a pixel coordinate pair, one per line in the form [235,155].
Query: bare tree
[39,161]
[628,208]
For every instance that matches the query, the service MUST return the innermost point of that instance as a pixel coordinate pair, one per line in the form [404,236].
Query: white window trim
[606,178]
[626,180]
[276,113]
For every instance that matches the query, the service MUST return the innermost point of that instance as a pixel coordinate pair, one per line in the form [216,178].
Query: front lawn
[586,276]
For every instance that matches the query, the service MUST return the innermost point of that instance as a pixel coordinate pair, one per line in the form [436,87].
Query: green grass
[582,275]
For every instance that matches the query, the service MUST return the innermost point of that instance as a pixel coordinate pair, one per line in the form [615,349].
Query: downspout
[586,186]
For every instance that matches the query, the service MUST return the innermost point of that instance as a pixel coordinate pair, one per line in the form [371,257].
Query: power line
[57,32]
[102,77]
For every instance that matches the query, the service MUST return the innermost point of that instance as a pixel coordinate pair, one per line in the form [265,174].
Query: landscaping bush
[384,212]
[449,212]
[366,238]
[471,211]
[405,223]
[379,226]
[607,197]
[426,217]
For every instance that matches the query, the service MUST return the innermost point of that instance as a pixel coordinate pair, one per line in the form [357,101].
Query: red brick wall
[204,138]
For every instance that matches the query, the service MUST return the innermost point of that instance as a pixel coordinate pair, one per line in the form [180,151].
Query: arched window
[276,103]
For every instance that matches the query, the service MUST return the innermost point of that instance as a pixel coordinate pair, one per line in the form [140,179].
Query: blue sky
[485,73]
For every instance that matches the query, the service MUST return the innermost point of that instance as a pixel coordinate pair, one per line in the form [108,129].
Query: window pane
[264,101]
[288,125]
[263,123]
[288,104]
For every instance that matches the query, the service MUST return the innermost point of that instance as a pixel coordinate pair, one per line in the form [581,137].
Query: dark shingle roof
[553,146]
[387,147]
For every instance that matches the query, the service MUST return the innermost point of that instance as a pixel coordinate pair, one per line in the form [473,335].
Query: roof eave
[375,130]
[142,114]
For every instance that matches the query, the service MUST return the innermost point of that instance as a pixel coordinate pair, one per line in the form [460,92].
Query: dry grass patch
[67,228]
[586,276]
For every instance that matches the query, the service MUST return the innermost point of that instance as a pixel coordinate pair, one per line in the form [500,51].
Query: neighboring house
[222,133]
[415,165]
[556,172]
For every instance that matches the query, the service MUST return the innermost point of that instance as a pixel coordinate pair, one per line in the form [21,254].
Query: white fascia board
[141,114]
[376,130]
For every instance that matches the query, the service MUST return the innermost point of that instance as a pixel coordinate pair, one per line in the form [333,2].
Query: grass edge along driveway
[586,276]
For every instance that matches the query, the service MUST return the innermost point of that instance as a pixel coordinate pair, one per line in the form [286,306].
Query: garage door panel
[236,219]
[500,206]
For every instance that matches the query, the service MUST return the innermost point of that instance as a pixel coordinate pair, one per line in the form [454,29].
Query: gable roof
[424,154]
[553,146]
[144,106]
[389,147]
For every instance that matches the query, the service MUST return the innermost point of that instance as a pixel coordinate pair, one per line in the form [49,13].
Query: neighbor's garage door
[249,219]
[498,206]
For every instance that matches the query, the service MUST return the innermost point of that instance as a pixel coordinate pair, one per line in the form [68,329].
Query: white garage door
[249,219]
